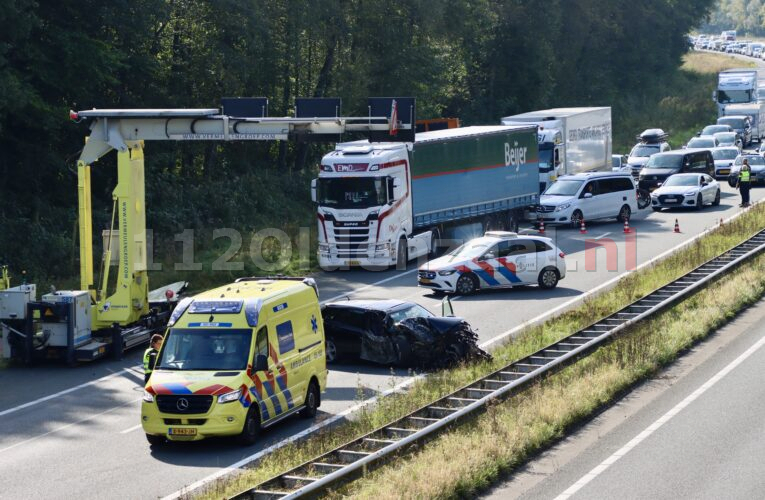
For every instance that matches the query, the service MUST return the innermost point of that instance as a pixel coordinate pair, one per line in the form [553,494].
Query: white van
[588,196]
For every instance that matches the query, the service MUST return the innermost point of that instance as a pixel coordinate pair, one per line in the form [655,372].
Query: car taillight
[562,255]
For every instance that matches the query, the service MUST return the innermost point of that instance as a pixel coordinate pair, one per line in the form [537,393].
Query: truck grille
[352,241]
[183,404]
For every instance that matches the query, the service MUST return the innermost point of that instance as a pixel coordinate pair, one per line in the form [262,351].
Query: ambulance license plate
[352,263]
[179,431]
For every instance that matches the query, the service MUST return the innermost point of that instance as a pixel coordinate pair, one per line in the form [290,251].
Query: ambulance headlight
[148,397]
[230,396]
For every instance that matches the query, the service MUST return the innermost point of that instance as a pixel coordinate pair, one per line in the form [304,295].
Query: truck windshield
[545,160]
[564,188]
[205,349]
[734,96]
[352,192]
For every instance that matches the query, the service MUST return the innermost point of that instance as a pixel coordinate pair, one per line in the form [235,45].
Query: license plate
[352,263]
[425,280]
[670,200]
[723,172]
[174,431]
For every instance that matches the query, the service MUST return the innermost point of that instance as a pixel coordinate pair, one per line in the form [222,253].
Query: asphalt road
[86,442]
[695,431]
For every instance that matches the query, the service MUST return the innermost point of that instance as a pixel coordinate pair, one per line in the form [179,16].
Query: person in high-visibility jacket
[745,182]
[150,356]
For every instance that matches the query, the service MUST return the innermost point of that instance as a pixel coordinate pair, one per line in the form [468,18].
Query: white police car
[498,259]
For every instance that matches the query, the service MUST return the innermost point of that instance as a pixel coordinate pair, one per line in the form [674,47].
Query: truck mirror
[261,363]
[446,307]
[313,190]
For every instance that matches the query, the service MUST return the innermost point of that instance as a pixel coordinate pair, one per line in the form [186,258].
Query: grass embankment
[680,104]
[611,371]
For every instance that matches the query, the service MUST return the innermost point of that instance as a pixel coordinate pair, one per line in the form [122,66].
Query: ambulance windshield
[205,349]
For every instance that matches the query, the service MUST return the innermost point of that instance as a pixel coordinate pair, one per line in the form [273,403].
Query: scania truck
[735,86]
[381,204]
[571,140]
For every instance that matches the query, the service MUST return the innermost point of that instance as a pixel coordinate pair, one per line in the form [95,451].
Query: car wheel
[731,182]
[576,219]
[251,427]
[466,284]
[699,202]
[717,199]
[624,214]
[401,254]
[312,400]
[548,278]
[330,350]
[155,440]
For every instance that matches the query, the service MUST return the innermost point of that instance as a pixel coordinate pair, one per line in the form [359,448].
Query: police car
[498,259]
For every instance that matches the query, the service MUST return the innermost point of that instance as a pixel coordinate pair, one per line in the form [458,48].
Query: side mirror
[704,184]
[488,255]
[587,195]
[313,190]
[446,307]
[261,363]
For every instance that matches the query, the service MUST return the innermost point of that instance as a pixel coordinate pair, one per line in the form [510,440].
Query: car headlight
[148,397]
[691,193]
[447,272]
[564,206]
[230,396]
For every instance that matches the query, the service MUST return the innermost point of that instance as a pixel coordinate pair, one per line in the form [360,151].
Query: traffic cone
[677,226]
[626,226]
[541,226]
[582,227]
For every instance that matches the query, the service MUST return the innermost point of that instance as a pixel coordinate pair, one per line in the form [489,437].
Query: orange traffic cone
[582,227]
[541,226]
[677,226]
[626,226]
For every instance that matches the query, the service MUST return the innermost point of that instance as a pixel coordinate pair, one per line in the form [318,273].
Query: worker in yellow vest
[150,356]
[744,182]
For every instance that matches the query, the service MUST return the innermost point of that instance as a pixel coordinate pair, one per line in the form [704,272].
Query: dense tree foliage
[474,59]
[745,16]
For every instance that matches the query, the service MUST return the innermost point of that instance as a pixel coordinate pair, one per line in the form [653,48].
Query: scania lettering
[571,140]
[380,204]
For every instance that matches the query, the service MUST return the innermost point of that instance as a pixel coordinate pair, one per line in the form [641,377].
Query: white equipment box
[57,331]
[13,301]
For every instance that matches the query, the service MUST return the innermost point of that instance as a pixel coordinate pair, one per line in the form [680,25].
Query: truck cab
[364,205]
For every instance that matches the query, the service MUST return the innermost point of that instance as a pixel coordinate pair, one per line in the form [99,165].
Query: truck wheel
[312,400]
[402,254]
[467,284]
[576,219]
[155,440]
[331,351]
[251,427]
[548,278]
[624,214]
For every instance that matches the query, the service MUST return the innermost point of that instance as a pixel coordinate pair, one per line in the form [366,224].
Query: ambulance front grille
[184,404]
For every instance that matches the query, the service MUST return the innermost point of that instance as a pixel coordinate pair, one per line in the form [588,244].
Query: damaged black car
[393,332]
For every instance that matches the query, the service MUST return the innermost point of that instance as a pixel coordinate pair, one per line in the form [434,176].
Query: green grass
[434,386]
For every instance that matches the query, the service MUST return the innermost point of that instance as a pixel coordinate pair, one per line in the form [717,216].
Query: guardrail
[347,461]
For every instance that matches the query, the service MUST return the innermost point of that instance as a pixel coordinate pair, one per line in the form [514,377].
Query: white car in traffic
[499,259]
[686,191]
[724,158]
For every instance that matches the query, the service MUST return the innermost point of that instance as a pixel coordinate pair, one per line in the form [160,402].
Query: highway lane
[695,431]
[74,430]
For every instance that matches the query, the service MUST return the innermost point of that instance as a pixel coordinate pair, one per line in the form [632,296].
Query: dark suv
[662,165]
[741,124]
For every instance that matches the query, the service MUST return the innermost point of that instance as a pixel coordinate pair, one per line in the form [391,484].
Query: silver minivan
[588,196]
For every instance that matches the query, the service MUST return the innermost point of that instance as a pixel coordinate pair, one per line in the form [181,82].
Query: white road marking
[134,428]
[602,236]
[605,464]
[66,391]
[57,429]
[365,287]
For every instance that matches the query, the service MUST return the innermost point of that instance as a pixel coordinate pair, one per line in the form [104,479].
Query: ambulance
[237,359]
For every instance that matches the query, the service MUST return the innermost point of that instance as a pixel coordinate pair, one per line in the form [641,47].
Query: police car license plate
[176,431]
[352,263]
[670,200]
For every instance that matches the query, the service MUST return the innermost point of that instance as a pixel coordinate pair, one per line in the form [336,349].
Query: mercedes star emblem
[182,404]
